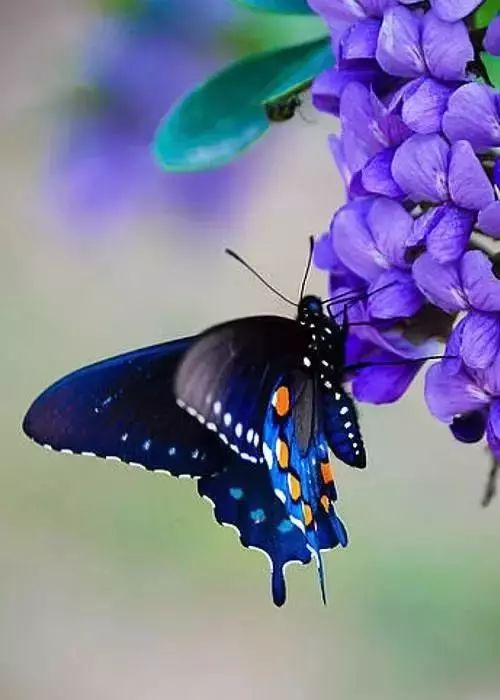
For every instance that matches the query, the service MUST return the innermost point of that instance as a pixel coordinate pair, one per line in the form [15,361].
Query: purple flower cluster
[418,152]
[134,67]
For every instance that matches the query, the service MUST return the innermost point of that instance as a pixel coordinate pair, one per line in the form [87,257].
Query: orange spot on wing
[308,514]
[282,453]
[327,472]
[281,401]
[294,487]
[325,502]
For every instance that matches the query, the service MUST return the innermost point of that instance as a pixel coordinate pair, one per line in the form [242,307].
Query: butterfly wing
[124,408]
[296,453]
[340,422]
[243,496]
[225,379]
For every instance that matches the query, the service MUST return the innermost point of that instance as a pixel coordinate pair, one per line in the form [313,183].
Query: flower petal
[376,8]
[359,41]
[420,167]
[329,85]
[391,227]
[354,244]
[379,384]
[489,220]
[472,115]
[423,108]
[480,284]
[451,10]
[397,295]
[470,427]
[469,185]
[398,50]
[389,120]
[361,140]
[450,234]
[480,339]
[337,10]
[441,284]
[324,257]
[449,395]
[376,175]
[493,428]
[447,47]
[492,39]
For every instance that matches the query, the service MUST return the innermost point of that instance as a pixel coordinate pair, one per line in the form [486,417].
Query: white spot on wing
[268,455]
[280,494]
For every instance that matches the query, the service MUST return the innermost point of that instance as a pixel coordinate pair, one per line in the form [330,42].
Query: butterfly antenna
[308,268]
[348,297]
[237,257]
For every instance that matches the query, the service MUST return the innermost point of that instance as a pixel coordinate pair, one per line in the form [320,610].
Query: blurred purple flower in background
[417,128]
[136,64]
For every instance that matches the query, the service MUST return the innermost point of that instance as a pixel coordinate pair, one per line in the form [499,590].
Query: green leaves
[492,65]
[288,7]
[485,13]
[222,117]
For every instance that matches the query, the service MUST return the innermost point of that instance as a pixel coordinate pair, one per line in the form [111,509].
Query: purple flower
[466,285]
[452,10]
[342,14]
[369,237]
[422,103]
[390,356]
[489,220]
[492,38]
[474,114]
[411,45]
[101,165]
[429,171]
[412,126]
[467,400]
[370,131]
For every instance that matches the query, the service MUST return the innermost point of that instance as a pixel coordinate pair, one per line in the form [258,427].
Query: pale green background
[116,584]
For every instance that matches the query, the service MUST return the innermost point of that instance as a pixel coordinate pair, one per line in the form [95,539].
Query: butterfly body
[249,408]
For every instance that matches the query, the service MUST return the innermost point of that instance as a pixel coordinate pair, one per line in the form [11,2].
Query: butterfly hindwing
[340,422]
[227,375]
[124,408]
[243,496]
[296,453]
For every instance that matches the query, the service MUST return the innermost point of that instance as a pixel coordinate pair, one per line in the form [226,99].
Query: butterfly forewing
[124,408]
[226,377]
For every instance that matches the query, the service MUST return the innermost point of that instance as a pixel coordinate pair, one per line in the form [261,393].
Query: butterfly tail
[278,586]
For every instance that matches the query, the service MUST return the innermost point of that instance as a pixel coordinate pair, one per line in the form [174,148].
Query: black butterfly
[249,408]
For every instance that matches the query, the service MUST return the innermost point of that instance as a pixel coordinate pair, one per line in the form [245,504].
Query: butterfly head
[310,309]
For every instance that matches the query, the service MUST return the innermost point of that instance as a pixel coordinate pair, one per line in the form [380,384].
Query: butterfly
[249,408]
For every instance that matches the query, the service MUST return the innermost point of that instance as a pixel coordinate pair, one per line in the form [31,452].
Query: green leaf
[484,14]
[492,65]
[222,117]
[286,7]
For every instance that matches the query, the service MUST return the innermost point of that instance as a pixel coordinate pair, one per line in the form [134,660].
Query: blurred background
[117,584]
